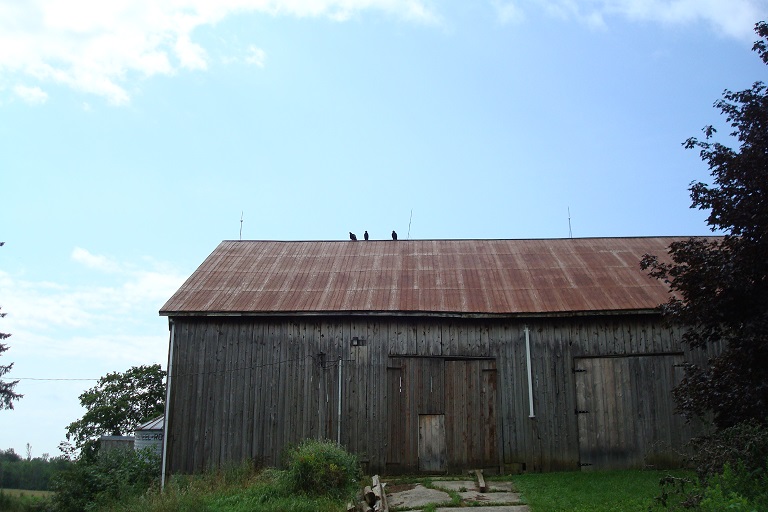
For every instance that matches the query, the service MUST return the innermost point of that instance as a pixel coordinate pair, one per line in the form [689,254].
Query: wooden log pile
[375,497]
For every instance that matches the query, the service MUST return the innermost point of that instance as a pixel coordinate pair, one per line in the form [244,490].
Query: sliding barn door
[626,416]
[441,414]
[471,410]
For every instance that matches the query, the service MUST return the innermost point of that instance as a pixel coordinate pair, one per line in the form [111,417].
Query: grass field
[22,500]
[24,492]
[592,491]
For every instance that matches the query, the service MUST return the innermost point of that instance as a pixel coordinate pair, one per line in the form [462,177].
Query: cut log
[370,497]
[480,481]
[381,495]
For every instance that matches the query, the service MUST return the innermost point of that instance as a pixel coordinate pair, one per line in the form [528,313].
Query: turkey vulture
[394,235]
[352,236]
[365,235]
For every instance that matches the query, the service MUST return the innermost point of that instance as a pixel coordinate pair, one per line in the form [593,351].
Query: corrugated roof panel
[448,276]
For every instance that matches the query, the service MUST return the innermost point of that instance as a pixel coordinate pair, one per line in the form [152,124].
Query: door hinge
[577,370]
[583,464]
[579,411]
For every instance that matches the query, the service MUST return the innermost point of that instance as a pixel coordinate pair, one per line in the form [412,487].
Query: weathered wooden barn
[425,355]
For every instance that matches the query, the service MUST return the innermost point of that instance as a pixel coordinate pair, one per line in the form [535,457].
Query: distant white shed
[150,434]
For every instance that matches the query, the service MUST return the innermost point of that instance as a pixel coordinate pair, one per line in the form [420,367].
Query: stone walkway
[498,498]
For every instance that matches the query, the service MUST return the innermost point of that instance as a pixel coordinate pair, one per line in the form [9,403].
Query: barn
[425,355]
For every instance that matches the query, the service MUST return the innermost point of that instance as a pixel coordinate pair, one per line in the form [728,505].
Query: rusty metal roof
[578,275]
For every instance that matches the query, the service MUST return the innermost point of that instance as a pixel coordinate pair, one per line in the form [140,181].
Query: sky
[135,135]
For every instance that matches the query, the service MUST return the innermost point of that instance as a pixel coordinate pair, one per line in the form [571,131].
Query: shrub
[744,443]
[732,469]
[94,481]
[320,468]
[737,488]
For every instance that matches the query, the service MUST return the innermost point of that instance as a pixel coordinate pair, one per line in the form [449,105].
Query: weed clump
[317,468]
[732,470]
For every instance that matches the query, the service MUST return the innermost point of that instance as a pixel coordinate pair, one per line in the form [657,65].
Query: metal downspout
[167,416]
[338,427]
[530,377]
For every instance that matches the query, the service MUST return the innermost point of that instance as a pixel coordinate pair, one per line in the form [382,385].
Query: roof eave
[415,314]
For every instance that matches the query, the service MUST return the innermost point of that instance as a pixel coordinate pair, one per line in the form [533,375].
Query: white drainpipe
[167,416]
[530,378]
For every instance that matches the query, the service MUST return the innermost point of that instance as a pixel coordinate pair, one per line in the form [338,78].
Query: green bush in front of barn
[731,469]
[317,468]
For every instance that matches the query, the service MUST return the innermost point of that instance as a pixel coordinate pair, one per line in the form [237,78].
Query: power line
[325,365]
[8,379]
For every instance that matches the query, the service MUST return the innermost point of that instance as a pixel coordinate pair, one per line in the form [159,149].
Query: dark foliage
[31,474]
[744,445]
[119,403]
[721,284]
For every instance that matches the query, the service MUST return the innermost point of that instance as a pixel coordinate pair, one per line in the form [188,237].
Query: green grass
[233,490]
[591,491]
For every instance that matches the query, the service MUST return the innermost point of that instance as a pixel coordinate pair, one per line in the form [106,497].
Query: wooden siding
[244,388]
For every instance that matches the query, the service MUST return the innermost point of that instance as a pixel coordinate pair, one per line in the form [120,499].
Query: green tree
[721,285]
[7,393]
[119,403]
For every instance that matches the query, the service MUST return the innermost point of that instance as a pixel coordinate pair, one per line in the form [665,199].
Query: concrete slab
[413,497]
[455,485]
[418,496]
[471,485]
[492,508]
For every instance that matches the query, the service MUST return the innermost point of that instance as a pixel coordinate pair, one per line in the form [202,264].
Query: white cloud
[31,95]
[97,46]
[94,261]
[508,12]
[107,321]
[132,297]
[729,18]
[256,56]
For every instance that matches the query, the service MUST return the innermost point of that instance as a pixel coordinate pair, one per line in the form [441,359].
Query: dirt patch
[390,488]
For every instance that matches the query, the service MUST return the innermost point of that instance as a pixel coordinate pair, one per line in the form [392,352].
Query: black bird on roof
[352,236]
[394,235]
[365,235]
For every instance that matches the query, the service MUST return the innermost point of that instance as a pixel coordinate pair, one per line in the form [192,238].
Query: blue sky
[134,135]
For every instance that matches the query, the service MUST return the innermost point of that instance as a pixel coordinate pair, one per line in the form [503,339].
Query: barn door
[625,411]
[441,414]
[471,411]
[432,453]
